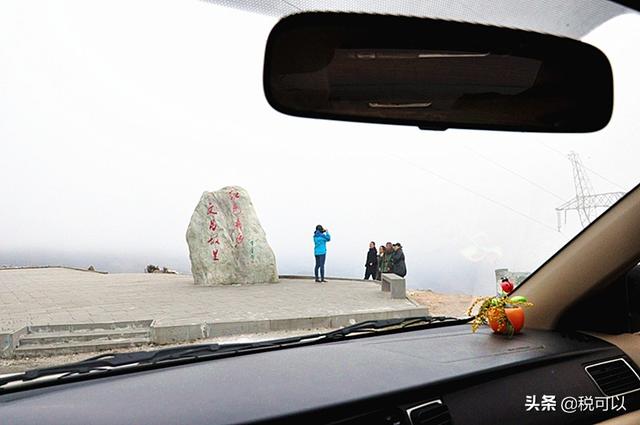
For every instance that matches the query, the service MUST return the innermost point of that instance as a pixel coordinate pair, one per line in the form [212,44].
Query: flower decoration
[503,313]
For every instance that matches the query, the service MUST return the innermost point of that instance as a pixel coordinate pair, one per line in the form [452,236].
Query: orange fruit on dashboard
[498,321]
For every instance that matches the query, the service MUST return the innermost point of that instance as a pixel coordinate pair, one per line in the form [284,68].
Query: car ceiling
[569,18]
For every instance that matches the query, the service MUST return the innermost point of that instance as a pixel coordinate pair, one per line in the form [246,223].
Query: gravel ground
[443,304]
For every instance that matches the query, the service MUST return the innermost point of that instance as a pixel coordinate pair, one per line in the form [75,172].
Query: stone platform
[181,311]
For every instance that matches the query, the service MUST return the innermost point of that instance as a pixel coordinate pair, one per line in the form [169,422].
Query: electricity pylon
[586,203]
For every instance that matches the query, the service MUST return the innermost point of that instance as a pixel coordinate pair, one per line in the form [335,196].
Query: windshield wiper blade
[106,362]
[372,326]
[85,366]
[110,361]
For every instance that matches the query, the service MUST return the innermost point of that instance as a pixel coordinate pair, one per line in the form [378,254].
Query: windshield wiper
[111,361]
[372,326]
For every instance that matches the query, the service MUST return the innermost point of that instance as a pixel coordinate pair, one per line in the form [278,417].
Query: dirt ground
[442,304]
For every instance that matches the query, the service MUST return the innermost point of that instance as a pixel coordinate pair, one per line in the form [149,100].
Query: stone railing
[394,284]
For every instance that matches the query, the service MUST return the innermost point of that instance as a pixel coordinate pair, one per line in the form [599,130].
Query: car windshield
[151,196]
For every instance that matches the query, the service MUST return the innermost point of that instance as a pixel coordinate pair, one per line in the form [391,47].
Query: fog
[116,116]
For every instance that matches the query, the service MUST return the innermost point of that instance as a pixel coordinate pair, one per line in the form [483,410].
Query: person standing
[382,258]
[384,263]
[320,238]
[398,265]
[389,251]
[371,266]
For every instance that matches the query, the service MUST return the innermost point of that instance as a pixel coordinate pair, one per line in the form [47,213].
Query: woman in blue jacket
[320,238]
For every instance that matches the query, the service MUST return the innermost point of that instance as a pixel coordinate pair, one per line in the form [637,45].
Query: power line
[486,198]
[496,163]
[292,5]
[584,166]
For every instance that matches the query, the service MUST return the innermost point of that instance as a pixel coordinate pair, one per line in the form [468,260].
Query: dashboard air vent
[432,413]
[614,377]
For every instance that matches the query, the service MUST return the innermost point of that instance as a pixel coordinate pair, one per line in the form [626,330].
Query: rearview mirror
[435,74]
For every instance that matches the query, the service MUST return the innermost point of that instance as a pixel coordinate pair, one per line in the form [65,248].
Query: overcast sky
[116,116]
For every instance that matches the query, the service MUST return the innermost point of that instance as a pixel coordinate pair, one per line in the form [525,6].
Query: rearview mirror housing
[435,74]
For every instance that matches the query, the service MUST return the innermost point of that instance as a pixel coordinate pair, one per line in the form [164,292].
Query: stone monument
[227,244]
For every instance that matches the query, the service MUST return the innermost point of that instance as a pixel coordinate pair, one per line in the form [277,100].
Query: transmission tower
[586,203]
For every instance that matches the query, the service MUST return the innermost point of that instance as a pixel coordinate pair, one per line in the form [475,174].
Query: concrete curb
[192,332]
[9,341]
[307,277]
[51,267]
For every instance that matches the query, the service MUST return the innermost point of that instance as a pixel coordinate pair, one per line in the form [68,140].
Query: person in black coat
[371,266]
[398,265]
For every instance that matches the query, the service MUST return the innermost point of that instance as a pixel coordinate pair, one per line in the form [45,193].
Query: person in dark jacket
[320,238]
[398,265]
[388,253]
[371,266]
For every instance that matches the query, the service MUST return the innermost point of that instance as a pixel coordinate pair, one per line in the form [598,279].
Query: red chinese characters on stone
[235,209]
[239,233]
[213,226]
[233,195]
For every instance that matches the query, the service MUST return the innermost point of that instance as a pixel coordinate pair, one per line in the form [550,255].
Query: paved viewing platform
[180,310]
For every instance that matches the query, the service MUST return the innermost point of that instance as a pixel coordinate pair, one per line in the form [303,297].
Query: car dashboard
[446,375]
